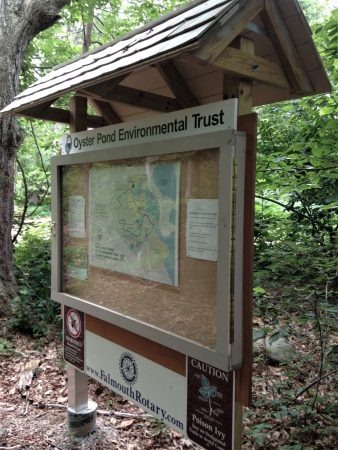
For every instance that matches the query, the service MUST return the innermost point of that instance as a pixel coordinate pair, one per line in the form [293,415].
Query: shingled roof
[180,59]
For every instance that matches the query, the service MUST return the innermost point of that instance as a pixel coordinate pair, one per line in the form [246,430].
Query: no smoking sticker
[74,323]
[73,337]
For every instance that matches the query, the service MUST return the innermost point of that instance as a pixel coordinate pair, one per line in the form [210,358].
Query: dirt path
[278,419]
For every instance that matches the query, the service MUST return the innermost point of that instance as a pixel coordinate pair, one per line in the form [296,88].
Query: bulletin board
[146,239]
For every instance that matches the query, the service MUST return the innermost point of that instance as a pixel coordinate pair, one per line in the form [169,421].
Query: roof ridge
[213,5]
[138,30]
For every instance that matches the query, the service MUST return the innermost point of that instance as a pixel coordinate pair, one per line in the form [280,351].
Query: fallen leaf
[175,434]
[131,446]
[125,423]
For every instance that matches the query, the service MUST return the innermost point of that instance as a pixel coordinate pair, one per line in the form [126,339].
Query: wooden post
[234,87]
[78,114]
[77,381]
[81,411]
[77,389]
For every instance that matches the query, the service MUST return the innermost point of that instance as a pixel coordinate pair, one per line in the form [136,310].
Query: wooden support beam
[241,88]
[248,124]
[78,114]
[52,114]
[237,87]
[252,67]
[39,110]
[285,48]
[226,33]
[105,110]
[107,88]
[96,121]
[61,116]
[135,97]
[177,84]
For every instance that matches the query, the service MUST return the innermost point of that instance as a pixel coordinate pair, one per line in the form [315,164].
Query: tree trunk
[20,22]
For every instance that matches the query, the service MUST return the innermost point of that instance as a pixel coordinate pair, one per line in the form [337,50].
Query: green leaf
[327,110]
[213,391]
[258,333]
[204,391]
[259,290]
[205,382]
[275,336]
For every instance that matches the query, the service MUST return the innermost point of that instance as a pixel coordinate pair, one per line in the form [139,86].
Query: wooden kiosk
[255,51]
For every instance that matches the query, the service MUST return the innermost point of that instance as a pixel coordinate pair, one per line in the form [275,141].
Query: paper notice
[202,229]
[76,216]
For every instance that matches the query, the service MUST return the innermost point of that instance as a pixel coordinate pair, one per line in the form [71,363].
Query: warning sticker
[73,337]
[210,406]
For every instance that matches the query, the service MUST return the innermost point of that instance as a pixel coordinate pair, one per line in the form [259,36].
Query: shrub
[33,310]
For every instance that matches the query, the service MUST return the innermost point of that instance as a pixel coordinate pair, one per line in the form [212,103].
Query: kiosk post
[81,411]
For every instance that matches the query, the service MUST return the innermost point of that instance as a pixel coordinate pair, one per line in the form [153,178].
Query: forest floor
[278,419]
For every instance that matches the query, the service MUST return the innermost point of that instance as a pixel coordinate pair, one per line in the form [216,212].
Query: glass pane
[125,239]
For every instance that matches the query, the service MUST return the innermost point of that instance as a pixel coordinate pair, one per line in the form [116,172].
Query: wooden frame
[226,142]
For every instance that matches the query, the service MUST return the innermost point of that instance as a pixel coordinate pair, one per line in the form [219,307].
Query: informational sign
[210,406]
[73,337]
[198,401]
[134,223]
[146,233]
[154,388]
[202,229]
[218,116]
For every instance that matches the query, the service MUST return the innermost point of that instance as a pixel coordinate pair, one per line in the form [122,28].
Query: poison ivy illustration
[207,391]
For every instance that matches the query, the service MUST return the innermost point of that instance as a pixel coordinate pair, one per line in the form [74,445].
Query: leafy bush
[33,310]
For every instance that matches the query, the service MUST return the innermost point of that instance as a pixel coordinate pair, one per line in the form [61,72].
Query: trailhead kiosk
[153,205]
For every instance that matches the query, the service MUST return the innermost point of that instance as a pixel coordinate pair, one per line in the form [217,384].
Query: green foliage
[40,143]
[157,427]
[33,310]
[296,260]
[5,346]
[297,189]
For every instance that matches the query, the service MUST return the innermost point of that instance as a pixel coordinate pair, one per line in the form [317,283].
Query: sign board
[148,237]
[210,118]
[186,394]
[210,405]
[149,385]
[147,260]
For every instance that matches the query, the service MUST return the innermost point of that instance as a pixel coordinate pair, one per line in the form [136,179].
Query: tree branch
[288,208]
[317,380]
[25,206]
[40,154]
[44,171]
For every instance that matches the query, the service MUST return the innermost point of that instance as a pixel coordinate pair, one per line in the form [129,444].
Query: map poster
[133,220]
[73,337]
[210,406]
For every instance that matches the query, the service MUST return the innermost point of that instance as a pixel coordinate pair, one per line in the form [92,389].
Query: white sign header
[201,119]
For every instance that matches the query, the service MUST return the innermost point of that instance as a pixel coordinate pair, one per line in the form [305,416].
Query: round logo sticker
[128,368]
[73,322]
[69,144]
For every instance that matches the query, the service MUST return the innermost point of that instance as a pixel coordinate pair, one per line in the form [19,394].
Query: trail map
[133,220]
